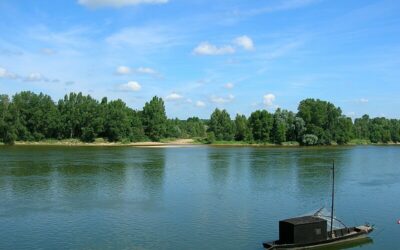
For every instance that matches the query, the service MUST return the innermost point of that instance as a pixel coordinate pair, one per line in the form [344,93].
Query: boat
[311,231]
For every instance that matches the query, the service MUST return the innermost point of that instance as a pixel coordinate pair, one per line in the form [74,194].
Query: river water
[188,198]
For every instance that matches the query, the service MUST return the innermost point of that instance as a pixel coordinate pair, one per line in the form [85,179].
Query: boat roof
[303,220]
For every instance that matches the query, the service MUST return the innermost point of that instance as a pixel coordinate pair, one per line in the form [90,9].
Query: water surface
[188,198]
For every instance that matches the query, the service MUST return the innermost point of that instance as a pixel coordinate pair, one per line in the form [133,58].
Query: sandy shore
[175,143]
[169,144]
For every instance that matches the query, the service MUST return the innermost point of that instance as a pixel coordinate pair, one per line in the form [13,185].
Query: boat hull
[353,234]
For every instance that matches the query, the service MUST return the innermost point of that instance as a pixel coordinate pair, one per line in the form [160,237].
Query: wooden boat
[312,231]
[340,236]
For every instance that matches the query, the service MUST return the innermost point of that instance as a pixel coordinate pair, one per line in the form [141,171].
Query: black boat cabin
[302,230]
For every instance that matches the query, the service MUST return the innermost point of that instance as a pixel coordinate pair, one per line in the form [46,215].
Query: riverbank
[103,143]
[176,143]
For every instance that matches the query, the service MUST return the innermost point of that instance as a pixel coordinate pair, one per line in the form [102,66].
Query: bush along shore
[77,119]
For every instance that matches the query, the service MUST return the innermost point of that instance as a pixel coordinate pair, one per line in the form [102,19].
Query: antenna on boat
[333,195]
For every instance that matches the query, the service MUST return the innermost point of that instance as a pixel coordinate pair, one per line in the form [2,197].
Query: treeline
[34,117]
[316,123]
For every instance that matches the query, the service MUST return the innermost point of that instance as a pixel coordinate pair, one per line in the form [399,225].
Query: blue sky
[198,55]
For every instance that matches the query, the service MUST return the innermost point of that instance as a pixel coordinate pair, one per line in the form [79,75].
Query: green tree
[321,119]
[221,125]
[361,127]
[81,117]
[36,116]
[7,130]
[174,128]
[296,129]
[193,127]
[118,121]
[280,126]
[343,132]
[309,140]
[136,126]
[395,130]
[243,132]
[260,123]
[154,119]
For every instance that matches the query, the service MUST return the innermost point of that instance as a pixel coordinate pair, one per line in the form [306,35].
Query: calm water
[188,198]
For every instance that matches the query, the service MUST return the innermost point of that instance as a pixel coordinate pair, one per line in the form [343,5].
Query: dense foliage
[316,123]
[34,117]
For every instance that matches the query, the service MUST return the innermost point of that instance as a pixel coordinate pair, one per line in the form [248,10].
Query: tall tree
[243,132]
[260,123]
[361,127]
[154,119]
[193,127]
[118,123]
[321,118]
[221,125]
[280,126]
[37,116]
[81,117]
[7,129]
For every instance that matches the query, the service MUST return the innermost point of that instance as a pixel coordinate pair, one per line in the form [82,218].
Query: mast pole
[333,195]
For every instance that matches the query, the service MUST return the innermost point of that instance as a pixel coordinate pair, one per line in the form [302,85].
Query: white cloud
[245,42]
[35,77]
[118,3]
[173,97]
[130,86]
[123,70]
[3,73]
[269,100]
[200,104]
[222,100]
[32,77]
[229,85]
[145,70]
[206,48]
[363,100]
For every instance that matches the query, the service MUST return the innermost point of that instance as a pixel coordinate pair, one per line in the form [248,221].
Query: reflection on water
[187,198]
[349,245]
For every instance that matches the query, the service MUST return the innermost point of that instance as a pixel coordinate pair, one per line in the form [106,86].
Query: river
[55,197]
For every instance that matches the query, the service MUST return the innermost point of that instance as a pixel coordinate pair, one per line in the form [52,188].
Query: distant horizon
[198,56]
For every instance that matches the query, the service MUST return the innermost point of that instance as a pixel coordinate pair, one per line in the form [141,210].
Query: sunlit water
[188,198]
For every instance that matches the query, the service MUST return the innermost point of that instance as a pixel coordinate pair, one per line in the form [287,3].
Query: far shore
[176,143]
[173,143]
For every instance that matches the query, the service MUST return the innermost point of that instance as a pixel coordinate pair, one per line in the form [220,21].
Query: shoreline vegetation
[177,143]
[28,118]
